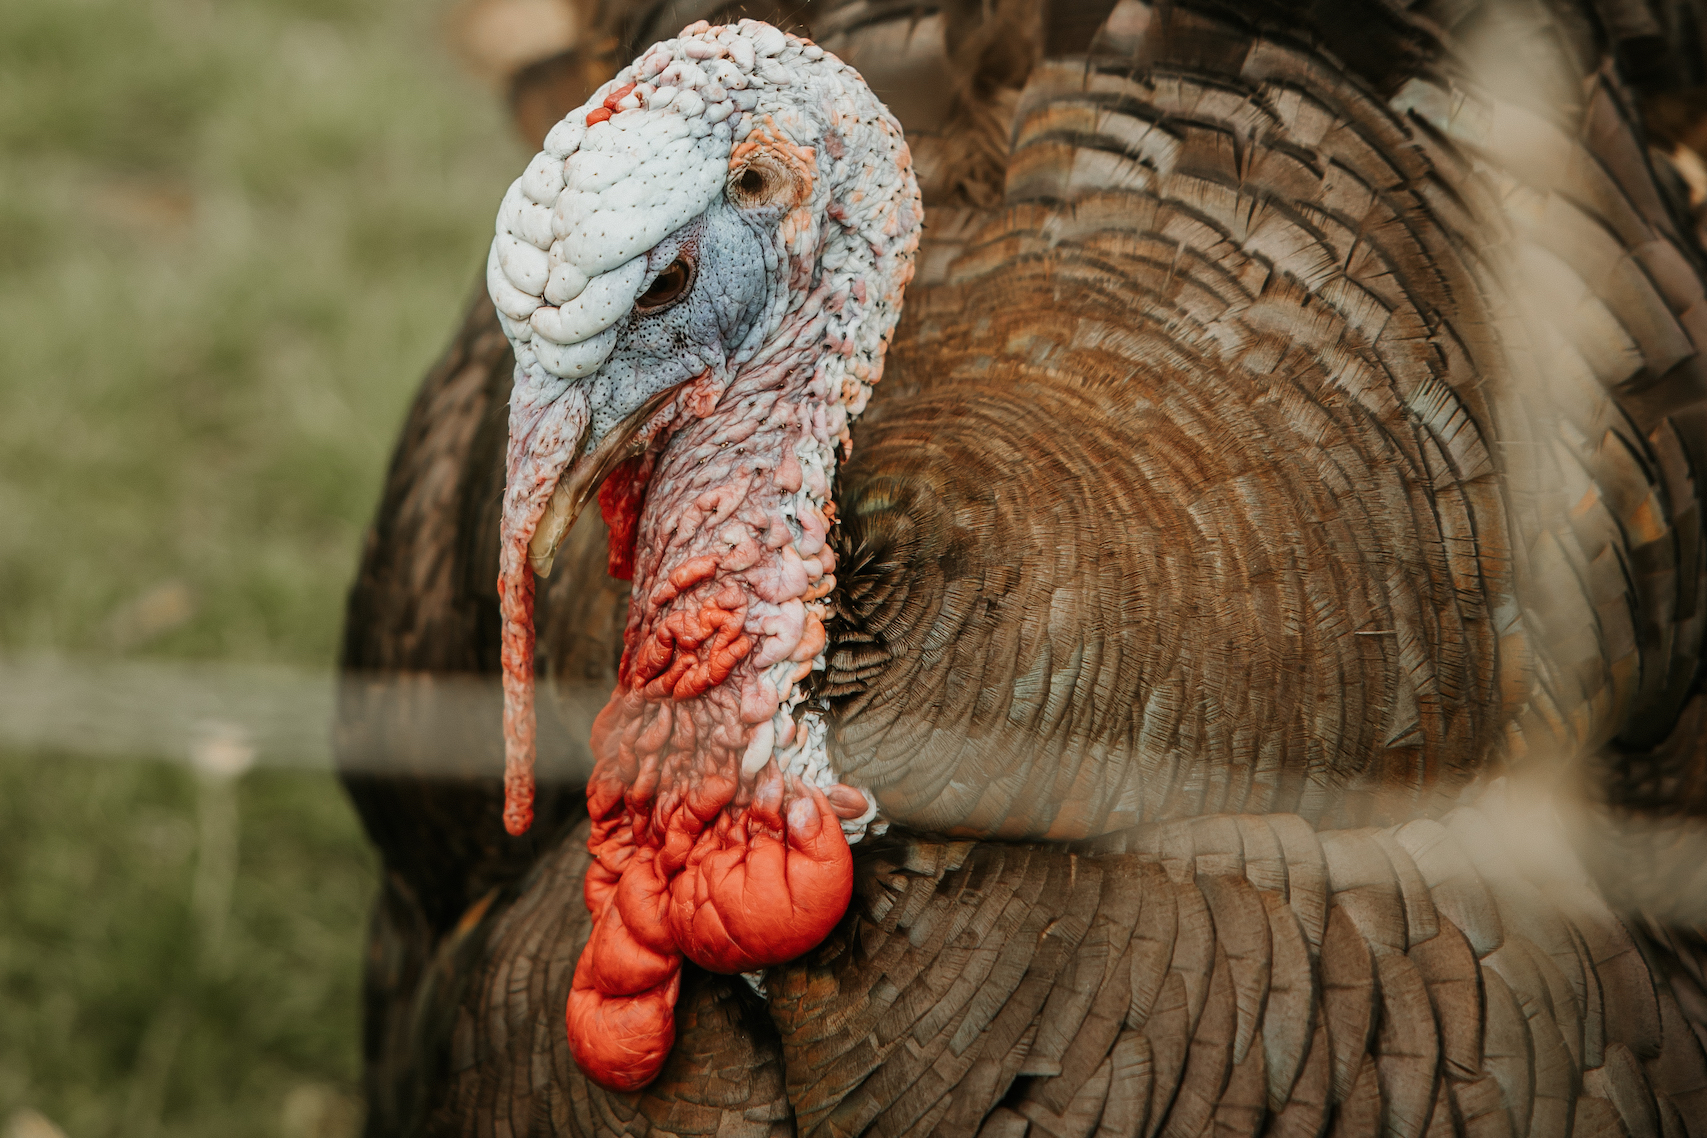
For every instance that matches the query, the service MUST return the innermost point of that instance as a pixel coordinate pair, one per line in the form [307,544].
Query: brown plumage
[1216,973]
[1277,442]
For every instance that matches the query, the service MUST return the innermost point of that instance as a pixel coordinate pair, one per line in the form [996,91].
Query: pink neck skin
[705,846]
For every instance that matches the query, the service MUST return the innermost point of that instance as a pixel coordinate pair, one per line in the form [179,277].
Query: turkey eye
[667,287]
[752,182]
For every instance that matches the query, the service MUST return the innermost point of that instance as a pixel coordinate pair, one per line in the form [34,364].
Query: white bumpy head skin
[736,202]
[653,150]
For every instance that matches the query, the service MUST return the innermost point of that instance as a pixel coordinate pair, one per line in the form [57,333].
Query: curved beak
[592,465]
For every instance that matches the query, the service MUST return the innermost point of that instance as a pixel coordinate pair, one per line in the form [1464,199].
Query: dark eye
[752,182]
[667,287]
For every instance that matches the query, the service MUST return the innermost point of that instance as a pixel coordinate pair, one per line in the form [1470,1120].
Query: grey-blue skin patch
[718,325]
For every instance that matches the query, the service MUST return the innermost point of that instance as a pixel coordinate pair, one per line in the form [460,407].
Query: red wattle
[752,888]
[750,898]
[621,1041]
[622,1002]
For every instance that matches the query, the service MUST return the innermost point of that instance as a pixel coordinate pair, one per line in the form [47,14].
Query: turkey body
[1278,444]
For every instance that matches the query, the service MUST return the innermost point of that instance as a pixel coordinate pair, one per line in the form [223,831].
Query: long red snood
[705,847]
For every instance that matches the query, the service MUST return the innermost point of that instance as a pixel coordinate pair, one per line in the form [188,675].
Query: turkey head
[699,276]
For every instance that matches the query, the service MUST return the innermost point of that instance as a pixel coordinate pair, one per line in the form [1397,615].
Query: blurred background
[233,235]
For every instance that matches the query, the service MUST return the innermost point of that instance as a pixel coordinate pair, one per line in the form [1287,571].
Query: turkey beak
[586,474]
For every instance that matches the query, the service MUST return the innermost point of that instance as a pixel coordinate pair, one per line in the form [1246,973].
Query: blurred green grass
[232,237]
[122,1011]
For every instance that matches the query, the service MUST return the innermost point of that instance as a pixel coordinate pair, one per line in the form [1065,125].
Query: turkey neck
[726,617]
[716,822]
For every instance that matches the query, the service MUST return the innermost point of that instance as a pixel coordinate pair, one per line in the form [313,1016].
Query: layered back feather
[1386,408]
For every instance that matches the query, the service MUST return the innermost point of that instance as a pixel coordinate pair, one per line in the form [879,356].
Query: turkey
[1179,633]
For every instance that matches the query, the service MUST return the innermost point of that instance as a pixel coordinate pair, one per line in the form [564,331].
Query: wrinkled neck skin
[727,617]
[718,826]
